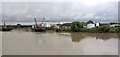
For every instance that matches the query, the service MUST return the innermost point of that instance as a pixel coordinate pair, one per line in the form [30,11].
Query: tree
[90,21]
[104,28]
[76,26]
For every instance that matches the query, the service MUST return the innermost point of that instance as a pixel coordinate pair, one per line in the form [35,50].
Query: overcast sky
[60,10]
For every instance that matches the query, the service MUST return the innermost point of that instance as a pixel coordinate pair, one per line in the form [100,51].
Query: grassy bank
[78,27]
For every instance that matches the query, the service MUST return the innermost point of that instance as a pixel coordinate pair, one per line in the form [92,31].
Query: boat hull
[6,29]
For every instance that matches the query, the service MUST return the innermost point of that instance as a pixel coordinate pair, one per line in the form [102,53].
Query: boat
[39,30]
[38,27]
[5,28]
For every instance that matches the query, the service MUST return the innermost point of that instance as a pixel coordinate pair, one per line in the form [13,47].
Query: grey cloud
[58,11]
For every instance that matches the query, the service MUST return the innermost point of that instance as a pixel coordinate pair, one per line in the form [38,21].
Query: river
[52,43]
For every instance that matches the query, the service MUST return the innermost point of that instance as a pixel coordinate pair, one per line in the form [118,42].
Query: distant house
[66,26]
[114,25]
[48,25]
[56,27]
[97,24]
[92,25]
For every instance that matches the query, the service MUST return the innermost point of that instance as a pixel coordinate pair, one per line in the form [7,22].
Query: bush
[67,30]
[88,30]
[113,30]
[118,29]
[104,28]
[76,26]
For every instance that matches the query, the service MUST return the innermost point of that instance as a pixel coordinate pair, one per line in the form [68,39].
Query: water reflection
[39,36]
[118,35]
[77,37]
[37,43]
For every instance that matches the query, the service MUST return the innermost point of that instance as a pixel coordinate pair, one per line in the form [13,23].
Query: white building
[114,25]
[97,24]
[48,24]
[56,27]
[90,25]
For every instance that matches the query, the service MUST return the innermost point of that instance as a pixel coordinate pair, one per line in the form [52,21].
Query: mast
[40,25]
[43,20]
[35,22]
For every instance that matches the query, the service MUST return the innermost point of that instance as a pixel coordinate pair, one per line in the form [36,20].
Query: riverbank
[70,31]
[75,27]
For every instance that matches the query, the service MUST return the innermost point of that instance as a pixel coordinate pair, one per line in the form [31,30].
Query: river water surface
[52,43]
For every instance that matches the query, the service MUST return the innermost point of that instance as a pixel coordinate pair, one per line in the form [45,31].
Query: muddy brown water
[52,43]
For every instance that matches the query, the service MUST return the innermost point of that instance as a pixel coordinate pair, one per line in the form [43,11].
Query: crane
[39,27]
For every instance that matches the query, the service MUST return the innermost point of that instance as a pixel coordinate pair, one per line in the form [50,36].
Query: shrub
[113,30]
[88,29]
[118,29]
[76,26]
[104,28]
